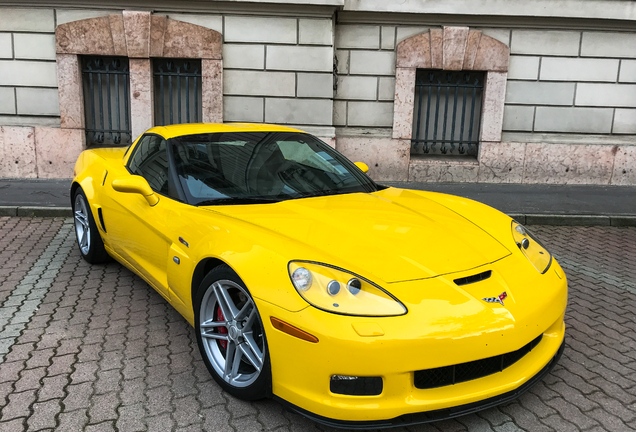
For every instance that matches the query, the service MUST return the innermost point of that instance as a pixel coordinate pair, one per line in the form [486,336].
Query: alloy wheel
[82,227]
[232,333]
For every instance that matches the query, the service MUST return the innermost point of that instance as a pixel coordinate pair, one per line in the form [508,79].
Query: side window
[151,162]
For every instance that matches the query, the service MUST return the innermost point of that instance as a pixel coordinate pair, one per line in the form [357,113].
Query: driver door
[140,229]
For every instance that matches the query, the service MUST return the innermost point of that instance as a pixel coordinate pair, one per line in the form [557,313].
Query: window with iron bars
[106,100]
[447,112]
[177,91]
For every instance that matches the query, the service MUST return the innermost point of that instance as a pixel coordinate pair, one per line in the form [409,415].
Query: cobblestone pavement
[93,348]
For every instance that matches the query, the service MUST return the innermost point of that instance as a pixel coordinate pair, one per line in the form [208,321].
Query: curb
[526,219]
[32,211]
[575,220]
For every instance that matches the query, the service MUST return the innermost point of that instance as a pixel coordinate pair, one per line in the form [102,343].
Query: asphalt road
[94,348]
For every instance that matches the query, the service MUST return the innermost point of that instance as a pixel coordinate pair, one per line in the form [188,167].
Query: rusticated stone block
[118,34]
[212,90]
[414,52]
[17,152]
[57,150]
[492,55]
[137,31]
[403,105]
[624,166]
[437,48]
[388,159]
[442,171]
[69,81]
[455,39]
[90,36]
[158,24]
[493,106]
[501,162]
[185,40]
[141,106]
[568,163]
[474,37]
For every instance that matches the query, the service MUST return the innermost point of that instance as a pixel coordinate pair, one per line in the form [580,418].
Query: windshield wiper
[238,200]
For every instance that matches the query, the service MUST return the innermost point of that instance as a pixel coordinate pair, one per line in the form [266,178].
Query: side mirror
[136,184]
[363,167]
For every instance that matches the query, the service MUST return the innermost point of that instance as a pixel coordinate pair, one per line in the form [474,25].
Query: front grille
[447,375]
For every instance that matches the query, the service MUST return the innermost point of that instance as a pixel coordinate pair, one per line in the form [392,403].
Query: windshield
[259,167]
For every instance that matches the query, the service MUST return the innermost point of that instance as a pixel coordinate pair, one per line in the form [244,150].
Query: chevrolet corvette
[355,304]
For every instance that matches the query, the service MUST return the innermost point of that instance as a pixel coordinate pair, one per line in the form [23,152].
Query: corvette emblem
[499,299]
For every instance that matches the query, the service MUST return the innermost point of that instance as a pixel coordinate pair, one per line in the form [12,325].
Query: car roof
[172,131]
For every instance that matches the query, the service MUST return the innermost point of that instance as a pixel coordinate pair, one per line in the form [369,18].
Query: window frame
[452,49]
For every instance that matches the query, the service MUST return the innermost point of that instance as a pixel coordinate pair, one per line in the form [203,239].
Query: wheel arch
[205,266]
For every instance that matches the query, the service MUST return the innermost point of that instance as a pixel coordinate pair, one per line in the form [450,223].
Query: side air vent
[101,218]
[474,278]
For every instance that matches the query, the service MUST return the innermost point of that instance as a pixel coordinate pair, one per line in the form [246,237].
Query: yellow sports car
[355,304]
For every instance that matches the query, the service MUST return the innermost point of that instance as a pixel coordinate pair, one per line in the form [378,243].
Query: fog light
[355,386]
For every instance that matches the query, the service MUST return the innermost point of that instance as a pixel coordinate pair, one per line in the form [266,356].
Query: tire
[89,240]
[248,374]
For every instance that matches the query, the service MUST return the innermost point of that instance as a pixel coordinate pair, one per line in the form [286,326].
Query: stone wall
[28,83]
[569,116]
[558,82]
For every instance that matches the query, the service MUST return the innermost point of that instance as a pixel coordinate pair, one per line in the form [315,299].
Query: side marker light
[293,331]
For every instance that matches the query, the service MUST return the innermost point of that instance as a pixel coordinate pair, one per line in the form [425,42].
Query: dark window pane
[106,100]
[151,162]
[177,91]
[447,112]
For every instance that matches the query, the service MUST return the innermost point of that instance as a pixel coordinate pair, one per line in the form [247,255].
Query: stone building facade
[558,92]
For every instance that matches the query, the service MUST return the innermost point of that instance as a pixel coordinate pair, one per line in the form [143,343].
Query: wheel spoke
[218,336]
[230,353]
[251,351]
[251,319]
[244,311]
[238,355]
[84,240]
[213,324]
[225,301]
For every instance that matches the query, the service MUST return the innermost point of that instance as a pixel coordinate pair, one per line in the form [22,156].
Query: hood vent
[474,278]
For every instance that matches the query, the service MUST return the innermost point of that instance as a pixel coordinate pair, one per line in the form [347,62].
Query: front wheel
[89,241]
[231,336]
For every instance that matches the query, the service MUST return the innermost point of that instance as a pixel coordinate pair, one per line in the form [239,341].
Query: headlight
[336,290]
[531,247]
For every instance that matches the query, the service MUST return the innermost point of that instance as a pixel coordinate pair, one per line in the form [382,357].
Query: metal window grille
[447,112]
[106,100]
[177,84]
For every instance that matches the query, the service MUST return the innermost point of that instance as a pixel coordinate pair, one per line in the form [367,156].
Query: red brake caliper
[222,330]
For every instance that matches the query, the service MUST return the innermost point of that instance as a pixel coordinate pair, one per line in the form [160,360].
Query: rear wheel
[89,241]
[230,335]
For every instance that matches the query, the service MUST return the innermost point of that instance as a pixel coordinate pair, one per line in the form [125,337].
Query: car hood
[393,234]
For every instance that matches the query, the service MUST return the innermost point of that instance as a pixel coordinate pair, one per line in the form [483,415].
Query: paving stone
[104,407]
[44,415]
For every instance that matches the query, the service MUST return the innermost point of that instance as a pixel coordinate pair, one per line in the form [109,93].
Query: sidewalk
[529,203]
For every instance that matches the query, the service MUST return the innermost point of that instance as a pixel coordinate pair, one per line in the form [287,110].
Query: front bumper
[432,416]
[427,337]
